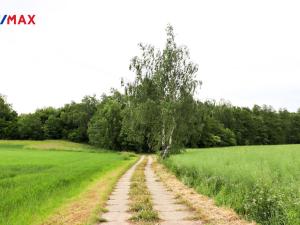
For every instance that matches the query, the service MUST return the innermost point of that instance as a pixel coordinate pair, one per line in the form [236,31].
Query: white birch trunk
[168,146]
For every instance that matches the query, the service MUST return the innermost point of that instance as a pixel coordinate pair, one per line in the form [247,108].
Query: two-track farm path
[169,210]
[118,203]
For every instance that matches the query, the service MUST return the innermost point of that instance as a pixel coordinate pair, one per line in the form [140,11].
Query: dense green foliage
[259,182]
[226,125]
[157,101]
[69,122]
[105,126]
[8,119]
[110,123]
[34,182]
[157,112]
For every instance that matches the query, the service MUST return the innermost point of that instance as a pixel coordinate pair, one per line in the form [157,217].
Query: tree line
[108,123]
[156,112]
[69,122]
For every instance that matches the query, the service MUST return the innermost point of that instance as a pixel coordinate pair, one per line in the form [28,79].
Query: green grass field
[262,183]
[37,177]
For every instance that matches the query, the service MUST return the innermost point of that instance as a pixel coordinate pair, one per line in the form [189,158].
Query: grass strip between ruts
[141,204]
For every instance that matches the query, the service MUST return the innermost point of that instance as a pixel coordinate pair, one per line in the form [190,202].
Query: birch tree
[173,78]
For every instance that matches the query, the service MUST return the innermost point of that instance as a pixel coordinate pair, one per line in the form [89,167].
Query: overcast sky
[248,51]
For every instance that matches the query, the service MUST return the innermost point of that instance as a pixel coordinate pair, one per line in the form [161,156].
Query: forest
[104,122]
[156,112]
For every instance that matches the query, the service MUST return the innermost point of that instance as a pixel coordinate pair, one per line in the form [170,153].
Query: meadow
[261,183]
[37,177]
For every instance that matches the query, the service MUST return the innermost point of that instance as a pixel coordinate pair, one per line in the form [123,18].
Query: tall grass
[33,183]
[262,183]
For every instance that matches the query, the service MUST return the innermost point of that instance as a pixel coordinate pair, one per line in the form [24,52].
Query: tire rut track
[118,203]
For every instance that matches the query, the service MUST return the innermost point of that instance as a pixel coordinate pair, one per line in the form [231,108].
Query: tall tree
[75,118]
[104,129]
[30,127]
[8,120]
[173,77]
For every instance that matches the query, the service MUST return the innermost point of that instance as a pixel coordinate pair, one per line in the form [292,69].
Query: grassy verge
[203,208]
[34,183]
[260,183]
[88,207]
[141,203]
